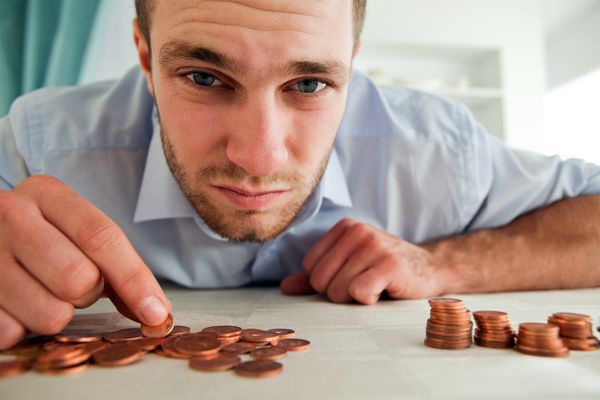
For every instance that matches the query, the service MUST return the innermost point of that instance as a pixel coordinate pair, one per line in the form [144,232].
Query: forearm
[557,247]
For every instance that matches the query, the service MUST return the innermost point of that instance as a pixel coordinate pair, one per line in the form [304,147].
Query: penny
[117,354]
[224,330]
[283,333]
[78,337]
[160,330]
[179,330]
[238,348]
[123,335]
[259,369]
[293,344]
[147,343]
[29,344]
[493,329]
[63,356]
[197,344]
[222,362]
[168,350]
[13,367]
[268,353]
[259,336]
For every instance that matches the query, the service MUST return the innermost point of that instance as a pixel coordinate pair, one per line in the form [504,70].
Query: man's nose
[257,139]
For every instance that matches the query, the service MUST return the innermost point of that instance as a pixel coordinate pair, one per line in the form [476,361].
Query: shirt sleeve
[503,183]
[12,165]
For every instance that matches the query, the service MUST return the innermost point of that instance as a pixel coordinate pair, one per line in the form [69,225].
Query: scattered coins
[214,348]
[449,327]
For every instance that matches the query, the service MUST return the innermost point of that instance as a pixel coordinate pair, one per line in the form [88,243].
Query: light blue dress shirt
[408,162]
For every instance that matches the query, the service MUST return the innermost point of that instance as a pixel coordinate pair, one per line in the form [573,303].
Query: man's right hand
[58,252]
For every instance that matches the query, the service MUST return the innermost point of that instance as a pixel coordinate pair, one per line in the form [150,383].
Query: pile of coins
[575,330]
[449,325]
[493,330]
[215,348]
[539,339]
[449,328]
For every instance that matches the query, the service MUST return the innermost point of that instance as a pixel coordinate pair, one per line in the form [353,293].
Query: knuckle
[346,223]
[134,279]
[79,280]
[317,283]
[9,204]
[10,335]
[51,323]
[359,293]
[360,230]
[98,237]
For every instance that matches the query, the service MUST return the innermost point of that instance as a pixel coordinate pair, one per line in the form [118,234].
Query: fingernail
[153,311]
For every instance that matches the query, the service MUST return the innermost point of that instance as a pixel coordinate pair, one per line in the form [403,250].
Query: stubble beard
[242,225]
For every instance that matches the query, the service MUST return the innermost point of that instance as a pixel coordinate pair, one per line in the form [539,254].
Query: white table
[357,352]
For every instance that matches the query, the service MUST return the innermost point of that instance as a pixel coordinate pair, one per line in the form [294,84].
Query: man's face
[250,95]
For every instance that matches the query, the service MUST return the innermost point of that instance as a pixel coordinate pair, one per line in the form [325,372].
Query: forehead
[257,30]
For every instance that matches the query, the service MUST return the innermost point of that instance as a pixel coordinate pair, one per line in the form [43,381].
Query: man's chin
[249,227]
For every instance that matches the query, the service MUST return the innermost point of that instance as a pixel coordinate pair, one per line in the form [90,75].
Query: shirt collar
[161,197]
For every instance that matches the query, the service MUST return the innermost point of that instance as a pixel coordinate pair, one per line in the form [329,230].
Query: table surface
[362,352]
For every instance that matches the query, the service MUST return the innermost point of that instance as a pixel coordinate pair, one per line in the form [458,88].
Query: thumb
[297,284]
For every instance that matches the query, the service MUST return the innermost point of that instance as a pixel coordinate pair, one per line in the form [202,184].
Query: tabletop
[357,352]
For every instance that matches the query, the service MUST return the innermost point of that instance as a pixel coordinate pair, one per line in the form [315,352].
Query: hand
[355,261]
[57,252]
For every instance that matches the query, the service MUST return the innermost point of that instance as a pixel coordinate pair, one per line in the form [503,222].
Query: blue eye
[204,79]
[310,86]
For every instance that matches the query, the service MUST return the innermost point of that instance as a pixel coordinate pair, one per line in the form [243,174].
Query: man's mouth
[246,199]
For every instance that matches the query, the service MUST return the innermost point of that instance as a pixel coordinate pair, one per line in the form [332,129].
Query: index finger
[98,237]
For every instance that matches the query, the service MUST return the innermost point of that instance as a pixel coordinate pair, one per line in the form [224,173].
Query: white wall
[512,26]
[574,49]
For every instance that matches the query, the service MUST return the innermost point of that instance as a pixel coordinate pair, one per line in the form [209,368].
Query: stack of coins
[575,330]
[449,325]
[215,348]
[539,339]
[493,330]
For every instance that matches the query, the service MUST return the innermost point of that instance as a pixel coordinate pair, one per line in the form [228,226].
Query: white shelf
[472,96]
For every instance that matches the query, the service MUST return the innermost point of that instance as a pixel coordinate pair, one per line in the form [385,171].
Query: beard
[242,226]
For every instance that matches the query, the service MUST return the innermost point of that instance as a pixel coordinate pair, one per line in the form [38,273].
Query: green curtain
[42,43]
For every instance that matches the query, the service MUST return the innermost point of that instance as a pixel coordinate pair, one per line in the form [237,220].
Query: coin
[238,348]
[224,330]
[75,369]
[13,367]
[179,330]
[259,336]
[77,337]
[222,362]
[539,339]
[293,344]
[493,329]
[123,335]
[197,344]
[269,353]
[283,333]
[117,354]
[160,330]
[449,325]
[259,369]
[61,357]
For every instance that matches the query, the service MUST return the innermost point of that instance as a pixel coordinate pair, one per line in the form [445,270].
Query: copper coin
[259,369]
[77,337]
[572,317]
[123,335]
[444,345]
[538,329]
[283,333]
[167,349]
[197,344]
[63,356]
[13,367]
[259,336]
[158,331]
[224,330]
[222,362]
[293,344]
[532,351]
[268,353]
[179,330]
[147,343]
[117,354]
[238,348]
[229,340]
[28,345]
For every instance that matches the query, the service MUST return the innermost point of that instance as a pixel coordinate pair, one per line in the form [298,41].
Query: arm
[557,247]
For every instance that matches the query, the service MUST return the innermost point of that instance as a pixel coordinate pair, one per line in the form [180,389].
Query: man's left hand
[357,262]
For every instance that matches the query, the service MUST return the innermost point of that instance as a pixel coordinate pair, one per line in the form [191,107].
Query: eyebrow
[178,50]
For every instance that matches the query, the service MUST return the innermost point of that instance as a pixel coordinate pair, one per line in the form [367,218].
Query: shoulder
[385,111]
[106,114]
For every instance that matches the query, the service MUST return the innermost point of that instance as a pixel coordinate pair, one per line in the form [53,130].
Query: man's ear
[143,51]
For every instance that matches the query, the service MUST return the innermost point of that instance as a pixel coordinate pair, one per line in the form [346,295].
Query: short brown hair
[144,8]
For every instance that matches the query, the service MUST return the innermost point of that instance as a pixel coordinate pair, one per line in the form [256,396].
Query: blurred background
[528,69]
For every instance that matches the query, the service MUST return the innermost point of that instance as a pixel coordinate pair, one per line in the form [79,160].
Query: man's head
[250,94]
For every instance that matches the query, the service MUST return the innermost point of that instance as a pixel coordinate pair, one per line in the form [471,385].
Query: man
[240,152]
